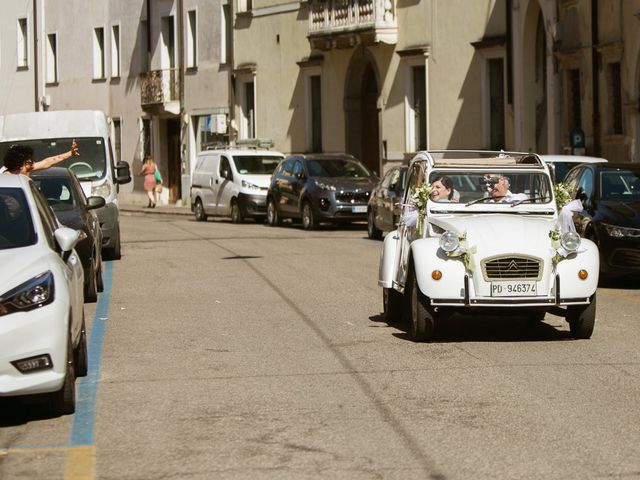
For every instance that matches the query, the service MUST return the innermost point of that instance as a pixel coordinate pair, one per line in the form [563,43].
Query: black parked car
[73,209]
[319,187]
[610,195]
[384,204]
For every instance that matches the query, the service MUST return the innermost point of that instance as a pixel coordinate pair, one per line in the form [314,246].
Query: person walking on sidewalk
[149,169]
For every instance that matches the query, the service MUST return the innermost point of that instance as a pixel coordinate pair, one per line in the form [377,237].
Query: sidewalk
[158,209]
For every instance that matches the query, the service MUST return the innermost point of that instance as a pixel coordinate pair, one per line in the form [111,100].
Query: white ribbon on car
[410,214]
[565,223]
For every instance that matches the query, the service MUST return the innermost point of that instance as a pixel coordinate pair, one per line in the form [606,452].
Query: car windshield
[90,165]
[57,191]
[495,186]
[620,185]
[337,167]
[16,225]
[256,164]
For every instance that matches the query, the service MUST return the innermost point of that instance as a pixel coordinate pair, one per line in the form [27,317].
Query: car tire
[80,357]
[273,216]
[115,252]
[421,315]
[199,211]
[373,232]
[91,290]
[63,401]
[392,305]
[236,214]
[309,221]
[582,319]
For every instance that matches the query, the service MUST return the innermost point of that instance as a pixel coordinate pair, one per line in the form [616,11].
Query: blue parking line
[84,420]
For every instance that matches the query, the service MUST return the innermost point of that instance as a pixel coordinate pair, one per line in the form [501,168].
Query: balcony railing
[159,87]
[329,17]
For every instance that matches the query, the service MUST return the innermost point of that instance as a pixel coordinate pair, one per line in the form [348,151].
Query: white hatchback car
[493,241]
[43,346]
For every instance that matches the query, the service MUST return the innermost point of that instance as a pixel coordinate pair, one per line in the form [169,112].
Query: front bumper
[619,256]
[28,334]
[329,207]
[252,205]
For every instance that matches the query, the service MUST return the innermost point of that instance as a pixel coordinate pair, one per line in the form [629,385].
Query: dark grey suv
[319,187]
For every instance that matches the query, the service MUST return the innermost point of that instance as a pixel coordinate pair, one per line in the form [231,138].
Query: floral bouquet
[561,191]
[419,198]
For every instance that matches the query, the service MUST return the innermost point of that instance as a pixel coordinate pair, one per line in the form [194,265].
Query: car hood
[22,264]
[261,181]
[623,214]
[349,183]
[493,234]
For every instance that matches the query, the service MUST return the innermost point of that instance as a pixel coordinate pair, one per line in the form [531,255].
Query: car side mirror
[95,202]
[67,238]
[123,173]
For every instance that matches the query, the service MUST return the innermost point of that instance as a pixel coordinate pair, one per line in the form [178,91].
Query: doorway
[174,163]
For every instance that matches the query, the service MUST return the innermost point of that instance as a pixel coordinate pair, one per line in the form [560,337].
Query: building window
[117,138]
[23,43]
[192,39]
[314,115]
[418,107]
[225,30]
[574,109]
[615,98]
[98,53]
[51,72]
[115,51]
[496,103]
[245,6]
[143,41]
[210,130]
[168,57]
[247,110]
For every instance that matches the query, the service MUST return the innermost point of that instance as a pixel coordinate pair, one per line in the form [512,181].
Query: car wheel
[373,232]
[236,214]
[63,401]
[113,253]
[308,218]
[392,305]
[582,319]
[199,211]
[273,217]
[421,315]
[80,358]
[91,290]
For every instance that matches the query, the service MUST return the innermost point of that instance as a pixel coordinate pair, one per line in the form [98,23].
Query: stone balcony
[347,23]
[160,91]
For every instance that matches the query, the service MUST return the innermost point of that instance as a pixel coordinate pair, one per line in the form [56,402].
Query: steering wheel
[84,165]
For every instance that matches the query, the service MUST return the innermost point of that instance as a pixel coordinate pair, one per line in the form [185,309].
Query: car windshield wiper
[527,200]
[483,199]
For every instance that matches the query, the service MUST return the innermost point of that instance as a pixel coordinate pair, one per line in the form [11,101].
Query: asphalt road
[243,351]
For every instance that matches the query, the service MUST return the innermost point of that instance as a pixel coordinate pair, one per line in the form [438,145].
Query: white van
[51,133]
[232,183]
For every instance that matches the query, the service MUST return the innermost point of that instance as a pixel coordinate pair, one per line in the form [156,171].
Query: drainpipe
[595,78]
[36,81]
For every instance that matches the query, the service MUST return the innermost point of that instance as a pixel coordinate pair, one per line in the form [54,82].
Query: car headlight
[621,232]
[325,186]
[103,190]
[249,185]
[31,294]
[570,241]
[449,241]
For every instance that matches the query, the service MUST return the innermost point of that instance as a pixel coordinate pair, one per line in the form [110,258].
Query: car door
[285,187]
[226,187]
[388,200]
[207,181]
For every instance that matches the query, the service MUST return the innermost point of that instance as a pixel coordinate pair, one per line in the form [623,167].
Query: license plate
[359,209]
[513,289]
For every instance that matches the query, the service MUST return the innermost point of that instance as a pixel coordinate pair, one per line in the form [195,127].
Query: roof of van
[53,124]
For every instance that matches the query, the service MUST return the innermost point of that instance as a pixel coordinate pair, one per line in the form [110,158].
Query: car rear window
[16,224]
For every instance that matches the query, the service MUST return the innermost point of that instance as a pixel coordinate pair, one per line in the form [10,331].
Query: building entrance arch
[362,115]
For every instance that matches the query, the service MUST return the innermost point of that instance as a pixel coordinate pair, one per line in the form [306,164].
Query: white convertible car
[482,232]
[42,332]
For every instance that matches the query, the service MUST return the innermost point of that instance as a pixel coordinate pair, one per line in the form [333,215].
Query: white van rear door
[209,182]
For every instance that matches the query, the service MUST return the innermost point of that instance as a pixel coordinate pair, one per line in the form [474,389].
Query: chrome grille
[352,197]
[512,267]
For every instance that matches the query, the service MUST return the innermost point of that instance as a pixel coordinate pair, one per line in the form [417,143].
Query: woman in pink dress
[149,170]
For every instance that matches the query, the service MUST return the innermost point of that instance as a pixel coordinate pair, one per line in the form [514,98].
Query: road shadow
[486,328]
[15,411]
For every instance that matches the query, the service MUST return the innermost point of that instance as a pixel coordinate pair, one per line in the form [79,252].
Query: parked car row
[43,342]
